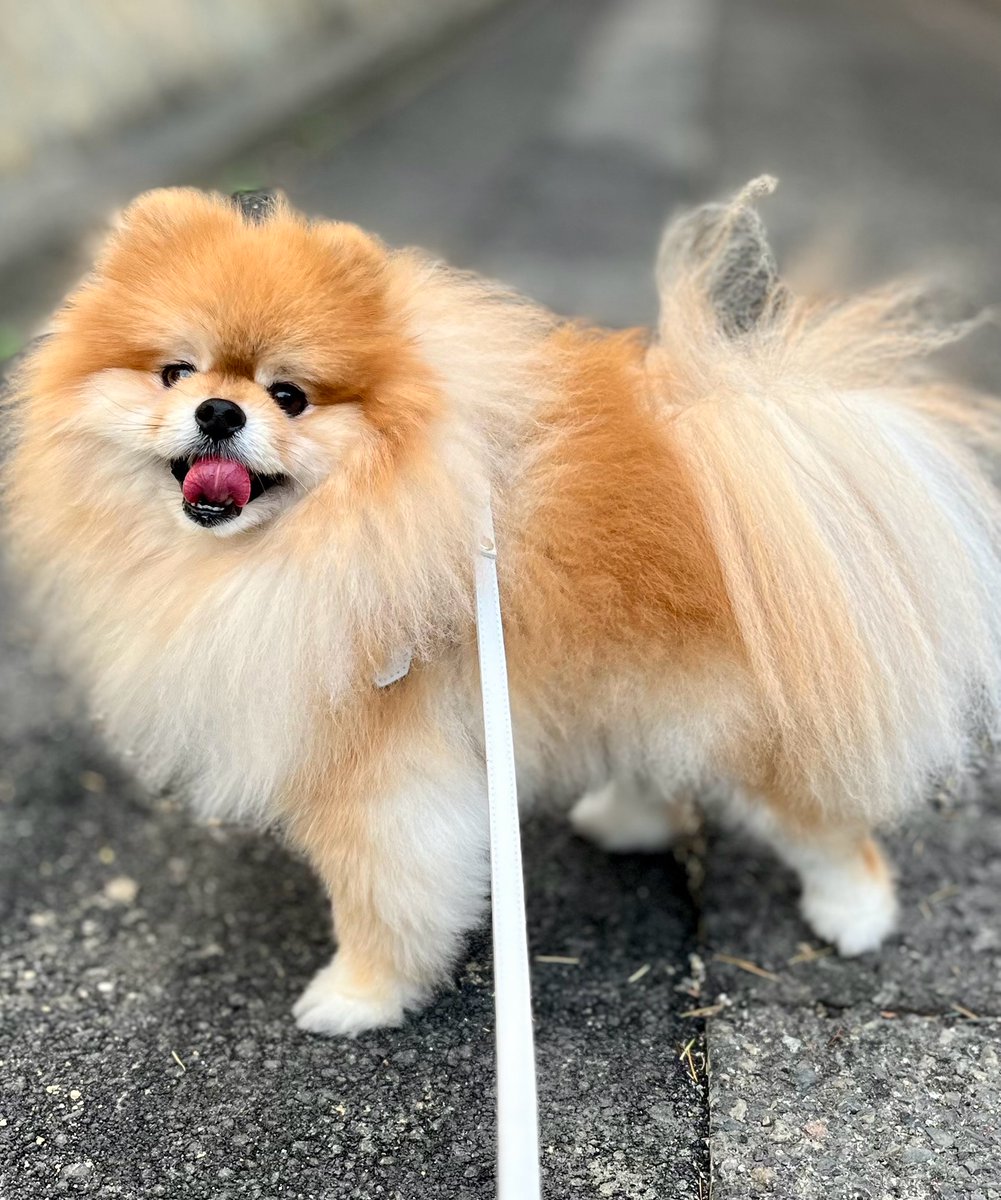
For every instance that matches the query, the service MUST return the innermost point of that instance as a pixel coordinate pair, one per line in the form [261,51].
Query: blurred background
[147,966]
[542,141]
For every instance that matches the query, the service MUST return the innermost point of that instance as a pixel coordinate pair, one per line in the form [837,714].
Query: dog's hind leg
[848,892]
[629,814]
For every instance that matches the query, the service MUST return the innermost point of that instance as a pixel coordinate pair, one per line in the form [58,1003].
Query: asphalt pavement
[147,963]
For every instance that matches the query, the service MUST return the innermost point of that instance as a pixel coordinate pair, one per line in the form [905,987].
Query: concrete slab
[853,1106]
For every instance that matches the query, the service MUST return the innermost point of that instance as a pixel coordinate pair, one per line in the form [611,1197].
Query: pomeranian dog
[751,551]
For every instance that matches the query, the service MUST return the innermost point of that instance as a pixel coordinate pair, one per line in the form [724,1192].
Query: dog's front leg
[403,853]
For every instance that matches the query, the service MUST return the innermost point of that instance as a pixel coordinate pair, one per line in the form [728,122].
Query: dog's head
[228,360]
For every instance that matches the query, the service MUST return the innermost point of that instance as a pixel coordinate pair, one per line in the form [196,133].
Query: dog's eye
[289,398]
[174,372]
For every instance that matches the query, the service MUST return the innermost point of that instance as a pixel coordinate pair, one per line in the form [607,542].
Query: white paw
[332,1006]
[620,823]
[854,920]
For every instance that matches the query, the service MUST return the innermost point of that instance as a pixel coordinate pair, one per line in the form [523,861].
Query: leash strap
[517,1105]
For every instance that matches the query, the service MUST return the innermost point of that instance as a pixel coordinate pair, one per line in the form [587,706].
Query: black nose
[219,419]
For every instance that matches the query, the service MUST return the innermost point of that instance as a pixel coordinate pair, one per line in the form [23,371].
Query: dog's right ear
[723,250]
[163,208]
[160,215]
[151,219]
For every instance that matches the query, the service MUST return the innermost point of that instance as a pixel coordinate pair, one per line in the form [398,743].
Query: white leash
[517,1104]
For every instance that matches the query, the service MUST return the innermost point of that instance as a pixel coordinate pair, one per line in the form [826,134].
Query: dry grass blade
[965,1012]
[709,1011]
[686,1057]
[807,953]
[745,964]
[565,959]
[638,975]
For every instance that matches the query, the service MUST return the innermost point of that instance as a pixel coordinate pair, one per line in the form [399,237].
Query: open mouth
[218,489]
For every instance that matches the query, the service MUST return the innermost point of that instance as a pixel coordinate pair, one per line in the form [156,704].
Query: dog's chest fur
[222,704]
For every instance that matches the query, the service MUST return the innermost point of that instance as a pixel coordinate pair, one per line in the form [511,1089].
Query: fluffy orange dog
[753,550]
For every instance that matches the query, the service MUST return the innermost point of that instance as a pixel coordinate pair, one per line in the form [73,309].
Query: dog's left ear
[259,204]
[723,250]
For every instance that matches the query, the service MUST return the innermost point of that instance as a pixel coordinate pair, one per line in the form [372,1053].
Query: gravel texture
[869,1078]
[854,1106]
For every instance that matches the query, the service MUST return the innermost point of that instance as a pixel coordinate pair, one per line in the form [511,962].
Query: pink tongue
[217,481]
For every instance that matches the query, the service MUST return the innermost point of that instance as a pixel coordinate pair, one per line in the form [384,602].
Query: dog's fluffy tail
[858,536]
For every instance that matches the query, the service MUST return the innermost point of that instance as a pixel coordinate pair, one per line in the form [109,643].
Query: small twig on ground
[686,1057]
[177,1058]
[638,974]
[965,1012]
[709,1011]
[745,964]
[942,893]
[807,953]
[565,959]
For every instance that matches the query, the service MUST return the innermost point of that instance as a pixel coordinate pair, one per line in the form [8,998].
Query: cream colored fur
[825,635]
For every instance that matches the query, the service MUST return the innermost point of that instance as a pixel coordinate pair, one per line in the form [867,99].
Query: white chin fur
[257,512]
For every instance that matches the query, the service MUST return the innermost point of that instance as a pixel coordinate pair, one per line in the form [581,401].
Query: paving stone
[852,1106]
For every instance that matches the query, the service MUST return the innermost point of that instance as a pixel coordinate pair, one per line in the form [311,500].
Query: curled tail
[857,534]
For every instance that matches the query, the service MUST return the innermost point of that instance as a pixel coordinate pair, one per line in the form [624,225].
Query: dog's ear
[259,204]
[162,209]
[724,248]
